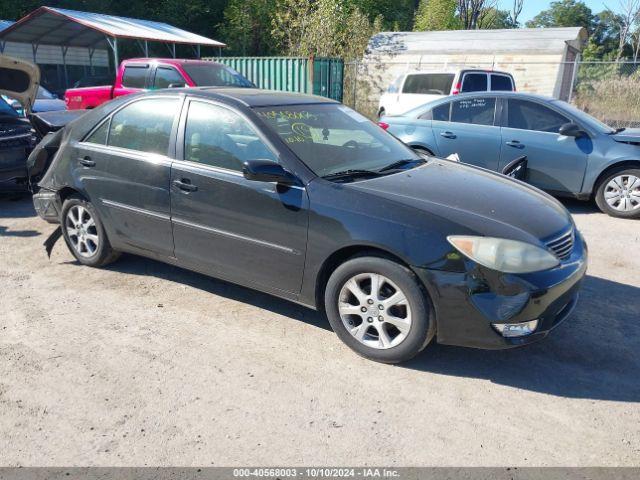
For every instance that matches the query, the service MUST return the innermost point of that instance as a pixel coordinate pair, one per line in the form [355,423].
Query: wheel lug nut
[370,320]
[380,307]
[370,302]
[381,318]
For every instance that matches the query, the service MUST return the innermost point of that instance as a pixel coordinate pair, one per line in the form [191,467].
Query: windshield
[6,109]
[332,138]
[585,117]
[215,75]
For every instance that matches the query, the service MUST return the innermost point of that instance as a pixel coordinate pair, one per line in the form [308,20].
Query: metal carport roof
[71,28]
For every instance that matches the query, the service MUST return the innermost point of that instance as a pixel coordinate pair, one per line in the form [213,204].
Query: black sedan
[304,198]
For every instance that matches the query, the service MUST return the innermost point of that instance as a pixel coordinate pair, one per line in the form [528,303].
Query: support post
[34,50]
[198,52]
[146,48]
[113,43]
[2,45]
[574,76]
[64,65]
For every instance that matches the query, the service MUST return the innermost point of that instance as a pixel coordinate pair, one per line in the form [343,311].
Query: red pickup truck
[139,74]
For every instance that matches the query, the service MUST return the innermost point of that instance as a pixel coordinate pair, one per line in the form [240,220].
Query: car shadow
[579,206]
[7,232]
[16,204]
[594,354]
[135,265]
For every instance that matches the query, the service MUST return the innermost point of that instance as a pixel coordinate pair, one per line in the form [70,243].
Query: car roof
[170,61]
[249,97]
[522,95]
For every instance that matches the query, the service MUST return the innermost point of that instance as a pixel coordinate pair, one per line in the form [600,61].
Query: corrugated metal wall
[318,76]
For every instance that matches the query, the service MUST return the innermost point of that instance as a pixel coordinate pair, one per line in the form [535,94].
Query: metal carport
[71,28]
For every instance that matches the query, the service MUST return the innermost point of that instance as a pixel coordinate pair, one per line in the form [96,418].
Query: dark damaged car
[18,79]
[303,198]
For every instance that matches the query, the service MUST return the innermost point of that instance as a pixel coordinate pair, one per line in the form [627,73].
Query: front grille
[562,246]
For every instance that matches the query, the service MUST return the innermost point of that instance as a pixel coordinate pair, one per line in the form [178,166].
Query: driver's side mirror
[571,130]
[267,171]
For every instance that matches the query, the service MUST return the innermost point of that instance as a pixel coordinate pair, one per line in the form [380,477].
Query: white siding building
[541,60]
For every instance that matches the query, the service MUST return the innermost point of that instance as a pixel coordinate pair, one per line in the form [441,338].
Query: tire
[381,113]
[407,328]
[614,188]
[84,234]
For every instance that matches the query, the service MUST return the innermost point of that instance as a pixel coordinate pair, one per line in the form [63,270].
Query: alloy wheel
[82,232]
[622,193]
[374,310]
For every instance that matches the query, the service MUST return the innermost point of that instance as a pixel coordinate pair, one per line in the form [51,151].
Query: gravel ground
[147,364]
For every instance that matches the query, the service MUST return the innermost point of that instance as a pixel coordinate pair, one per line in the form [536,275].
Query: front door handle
[515,144]
[185,185]
[86,162]
[450,135]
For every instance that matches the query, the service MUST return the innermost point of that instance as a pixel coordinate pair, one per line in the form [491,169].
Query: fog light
[516,329]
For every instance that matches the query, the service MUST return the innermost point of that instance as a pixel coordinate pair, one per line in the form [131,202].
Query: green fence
[318,76]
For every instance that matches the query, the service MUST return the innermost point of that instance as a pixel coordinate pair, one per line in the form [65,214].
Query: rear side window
[477,111]
[474,82]
[135,77]
[501,83]
[395,86]
[525,115]
[429,83]
[144,125]
[166,76]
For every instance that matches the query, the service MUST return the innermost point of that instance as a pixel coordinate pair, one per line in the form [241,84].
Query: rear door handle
[450,135]
[185,185]
[515,144]
[86,162]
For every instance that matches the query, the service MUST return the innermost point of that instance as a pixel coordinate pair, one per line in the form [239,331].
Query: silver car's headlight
[508,256]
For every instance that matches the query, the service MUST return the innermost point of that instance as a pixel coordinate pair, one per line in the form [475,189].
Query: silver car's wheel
[622,193]
[374,310]
[82,232]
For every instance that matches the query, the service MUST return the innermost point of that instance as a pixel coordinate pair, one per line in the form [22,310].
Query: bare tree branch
[472,12]
[516,11]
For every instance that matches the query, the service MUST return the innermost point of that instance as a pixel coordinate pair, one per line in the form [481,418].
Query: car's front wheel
[618,194]
[378,308]
[84,234]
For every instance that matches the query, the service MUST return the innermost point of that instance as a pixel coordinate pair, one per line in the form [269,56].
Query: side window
[525,115]
[99,135]
[135,77]
[219,137]
[474,82]
[166,76]
[144,125]
[501,83]
[478,111]
[395,86]
[429,83]
[441,112]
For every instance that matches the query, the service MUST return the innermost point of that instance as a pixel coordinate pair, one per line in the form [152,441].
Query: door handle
[450,135]
[515,144]
[185,185]
[86,162]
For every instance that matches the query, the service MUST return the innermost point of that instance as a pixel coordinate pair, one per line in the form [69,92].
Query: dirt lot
[147,364]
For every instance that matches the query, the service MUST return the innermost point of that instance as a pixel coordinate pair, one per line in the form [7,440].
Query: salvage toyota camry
[303,198]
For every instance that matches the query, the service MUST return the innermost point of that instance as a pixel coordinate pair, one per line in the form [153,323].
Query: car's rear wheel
[378,308]
[618,194]
[84,234]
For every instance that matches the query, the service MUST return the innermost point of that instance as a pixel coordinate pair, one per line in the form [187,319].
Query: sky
[533,7]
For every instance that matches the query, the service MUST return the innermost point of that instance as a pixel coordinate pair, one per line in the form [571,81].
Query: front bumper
[47,205]
[468,303]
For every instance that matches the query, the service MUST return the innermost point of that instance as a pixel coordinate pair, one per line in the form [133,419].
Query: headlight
[508,256]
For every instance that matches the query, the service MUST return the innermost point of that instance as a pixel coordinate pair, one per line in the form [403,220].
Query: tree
[493,18]
[247,27]
[515,12]
[395,14]
[324,28]
[625,21]
[474,12]
[564,13]
[436,15]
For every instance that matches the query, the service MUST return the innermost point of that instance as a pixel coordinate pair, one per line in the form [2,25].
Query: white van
[410,90]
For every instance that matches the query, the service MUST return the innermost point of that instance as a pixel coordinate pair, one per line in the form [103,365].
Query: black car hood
[479,201]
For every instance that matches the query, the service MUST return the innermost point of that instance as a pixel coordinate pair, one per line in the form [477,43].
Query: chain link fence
[610,91]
